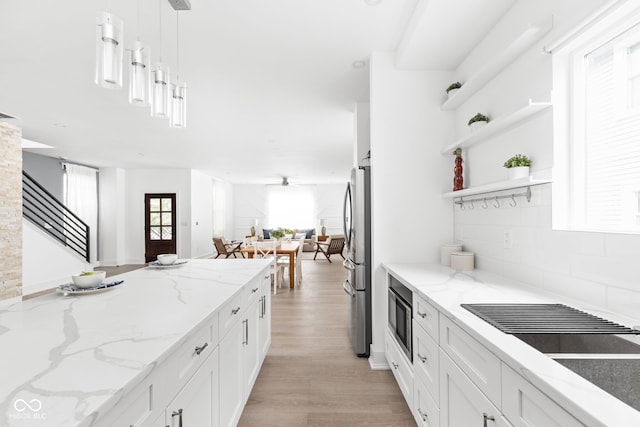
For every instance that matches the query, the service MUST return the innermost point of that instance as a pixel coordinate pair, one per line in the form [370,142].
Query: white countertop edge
[566,388]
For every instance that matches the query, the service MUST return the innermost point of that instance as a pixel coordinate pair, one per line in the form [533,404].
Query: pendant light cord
[177,47]
[160,20]
[138,18]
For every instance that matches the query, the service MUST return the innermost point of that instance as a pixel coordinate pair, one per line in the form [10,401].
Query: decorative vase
[477,125]
[458,180]
[518,172]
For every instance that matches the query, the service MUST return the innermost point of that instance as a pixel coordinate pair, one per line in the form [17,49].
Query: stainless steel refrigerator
[357,230]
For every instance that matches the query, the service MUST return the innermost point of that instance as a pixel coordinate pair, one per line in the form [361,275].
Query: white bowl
[88,279]
[166,259]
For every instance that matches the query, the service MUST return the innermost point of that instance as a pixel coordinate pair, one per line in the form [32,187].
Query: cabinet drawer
[425,360]
[192,353]
[426,315]
[482,366]
[425,410]
[400,367]
[230,313]
[252,291]
[526,406]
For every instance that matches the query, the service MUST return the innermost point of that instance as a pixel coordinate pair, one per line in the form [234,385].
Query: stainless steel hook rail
[527,194]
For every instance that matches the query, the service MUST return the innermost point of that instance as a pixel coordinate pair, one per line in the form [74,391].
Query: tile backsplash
[601,269]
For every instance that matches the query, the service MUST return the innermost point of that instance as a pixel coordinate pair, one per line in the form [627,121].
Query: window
[290,207]
[597,128]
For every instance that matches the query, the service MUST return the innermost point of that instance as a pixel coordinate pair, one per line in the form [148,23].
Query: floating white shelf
[493,67]
[493,127]
[496,186]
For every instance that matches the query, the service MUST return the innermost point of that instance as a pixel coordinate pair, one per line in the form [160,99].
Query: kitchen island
[126,355]
[463,366]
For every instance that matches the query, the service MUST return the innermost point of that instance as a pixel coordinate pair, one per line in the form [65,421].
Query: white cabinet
[425,410]
[426,315]
[231,374]
[482,366]
[526,406]
[197,404]
[251,345]
[462,404]
[400,366]
[264,318]
[426,360]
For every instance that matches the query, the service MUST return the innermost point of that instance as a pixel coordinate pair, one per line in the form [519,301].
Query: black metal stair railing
[48,213]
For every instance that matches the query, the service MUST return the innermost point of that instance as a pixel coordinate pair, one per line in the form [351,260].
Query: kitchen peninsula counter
[446,289]
[67,360]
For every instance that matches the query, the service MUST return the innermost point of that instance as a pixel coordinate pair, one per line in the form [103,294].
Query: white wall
[112,216]
[597,268]
[250,202]
[201,215]
[410,220]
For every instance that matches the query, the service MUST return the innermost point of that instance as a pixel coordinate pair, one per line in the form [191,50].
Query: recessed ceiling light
[359,64]
[373,2]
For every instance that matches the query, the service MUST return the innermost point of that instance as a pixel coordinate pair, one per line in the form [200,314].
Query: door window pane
[166,218]
[154,204]
[166,205]
[155,233]
[166,233]
[154,218]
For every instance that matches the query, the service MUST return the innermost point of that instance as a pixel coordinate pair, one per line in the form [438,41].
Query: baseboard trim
[378,361]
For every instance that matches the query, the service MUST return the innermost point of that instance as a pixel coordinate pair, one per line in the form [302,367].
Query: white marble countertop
[446,289]
[69,357]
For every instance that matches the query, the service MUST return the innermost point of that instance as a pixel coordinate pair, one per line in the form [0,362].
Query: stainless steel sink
[607,361]
[580,343]
[618,375]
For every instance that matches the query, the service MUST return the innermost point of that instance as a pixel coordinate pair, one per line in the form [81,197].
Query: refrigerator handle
[347,202]
[348,289]
[348,264]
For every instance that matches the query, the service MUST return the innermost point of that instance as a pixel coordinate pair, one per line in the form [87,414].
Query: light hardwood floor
[310,376]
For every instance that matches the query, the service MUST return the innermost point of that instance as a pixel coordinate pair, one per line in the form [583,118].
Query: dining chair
[227,248]
[333,245]
[267,249]
[283,261]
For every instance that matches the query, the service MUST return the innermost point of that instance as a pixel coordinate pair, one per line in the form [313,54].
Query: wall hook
[497,203]
[472,206]
[513,199]
[485,205]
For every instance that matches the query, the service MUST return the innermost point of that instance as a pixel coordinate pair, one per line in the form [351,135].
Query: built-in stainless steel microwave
[400,314]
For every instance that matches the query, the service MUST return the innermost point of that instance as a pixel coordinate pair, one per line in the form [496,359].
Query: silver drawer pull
[395,365]
[254,290]
[235,311]
[423,315]
[424,416]
[487,418]
[201,348]
[422,358]
[178,413]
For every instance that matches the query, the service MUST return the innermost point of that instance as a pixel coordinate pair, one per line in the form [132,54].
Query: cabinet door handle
[423,315]
[178,413]
[254,290]
[245,340]
[267,277]
[262,306]
[422,358]
[395,365]
[201,348]
[486,418]
[235,311]
[423,415]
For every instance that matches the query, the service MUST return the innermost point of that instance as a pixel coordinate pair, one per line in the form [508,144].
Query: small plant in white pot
[518,166]
[478,121]
[453,88]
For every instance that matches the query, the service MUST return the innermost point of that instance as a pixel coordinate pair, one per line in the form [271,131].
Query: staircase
[49,214]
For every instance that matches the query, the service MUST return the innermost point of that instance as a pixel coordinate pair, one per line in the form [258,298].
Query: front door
[159,225]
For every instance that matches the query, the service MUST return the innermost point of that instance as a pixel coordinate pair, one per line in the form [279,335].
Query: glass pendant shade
[139,72]
[160,86]
[179,106]
[109,36]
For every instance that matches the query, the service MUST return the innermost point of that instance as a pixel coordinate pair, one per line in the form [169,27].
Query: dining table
[283,248]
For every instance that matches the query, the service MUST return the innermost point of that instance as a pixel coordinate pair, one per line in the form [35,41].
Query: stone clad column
[10,211]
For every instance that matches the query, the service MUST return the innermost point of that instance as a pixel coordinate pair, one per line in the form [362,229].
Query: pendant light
[178,117]
[160,82]
[139,79]
[109,36]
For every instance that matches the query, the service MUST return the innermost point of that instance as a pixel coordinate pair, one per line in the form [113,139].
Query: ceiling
[272,86]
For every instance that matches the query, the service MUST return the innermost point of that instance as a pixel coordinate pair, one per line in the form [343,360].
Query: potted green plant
[518,166]
[277,233]
[478,120]
[288,233]
[453,88]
